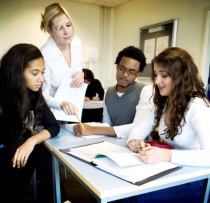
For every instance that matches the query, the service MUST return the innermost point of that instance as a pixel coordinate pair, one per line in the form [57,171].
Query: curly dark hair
[15,100]
[134,53]
[187,85]
[88,74]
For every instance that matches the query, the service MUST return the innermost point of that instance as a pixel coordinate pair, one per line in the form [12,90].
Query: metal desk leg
[35,185]
[207,190]
[56,181]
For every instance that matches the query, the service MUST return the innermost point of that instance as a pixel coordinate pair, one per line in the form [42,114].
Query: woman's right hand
[136,145]
[69,108]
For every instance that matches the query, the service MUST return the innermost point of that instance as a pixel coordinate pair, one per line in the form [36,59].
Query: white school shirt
[56,68]
[143,107]
[192,146]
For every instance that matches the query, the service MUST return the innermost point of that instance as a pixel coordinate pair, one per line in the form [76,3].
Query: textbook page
[139,174]
[69,127]
[70,94]
[119,154]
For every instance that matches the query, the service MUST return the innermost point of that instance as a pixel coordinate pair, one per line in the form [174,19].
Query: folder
[120,162]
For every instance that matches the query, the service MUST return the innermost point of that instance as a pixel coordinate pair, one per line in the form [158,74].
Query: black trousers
[14,182]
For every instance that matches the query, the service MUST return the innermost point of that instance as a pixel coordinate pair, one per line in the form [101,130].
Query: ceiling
[107,3]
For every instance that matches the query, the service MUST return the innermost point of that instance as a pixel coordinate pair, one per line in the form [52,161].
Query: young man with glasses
[127,102]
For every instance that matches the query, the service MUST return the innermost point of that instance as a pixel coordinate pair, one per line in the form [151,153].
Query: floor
[76,193]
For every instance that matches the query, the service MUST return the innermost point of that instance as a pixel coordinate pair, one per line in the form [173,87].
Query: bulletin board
[155,38]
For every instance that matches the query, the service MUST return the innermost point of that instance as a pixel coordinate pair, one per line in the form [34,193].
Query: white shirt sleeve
[106,117]
[56,68]
[142,129]
[143,108]
[192,145]
[196,136]
[48,92]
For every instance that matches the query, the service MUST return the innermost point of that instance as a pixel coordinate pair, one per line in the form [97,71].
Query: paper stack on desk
[121,162]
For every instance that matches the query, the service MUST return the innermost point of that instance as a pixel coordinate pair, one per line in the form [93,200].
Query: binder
[120,162]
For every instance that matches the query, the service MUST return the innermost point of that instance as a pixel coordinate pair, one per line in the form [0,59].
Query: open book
[121,162]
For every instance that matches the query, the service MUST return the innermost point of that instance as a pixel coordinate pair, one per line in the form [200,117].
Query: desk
[92,111]
[105,187]
[93,105]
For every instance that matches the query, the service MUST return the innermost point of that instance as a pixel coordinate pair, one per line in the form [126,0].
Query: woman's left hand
[78,79]
[22,153]
[152,154]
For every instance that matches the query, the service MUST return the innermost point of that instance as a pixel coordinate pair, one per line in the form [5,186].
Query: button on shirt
[56,68]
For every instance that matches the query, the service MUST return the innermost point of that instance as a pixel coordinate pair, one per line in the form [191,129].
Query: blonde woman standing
[63,58]
[62,54]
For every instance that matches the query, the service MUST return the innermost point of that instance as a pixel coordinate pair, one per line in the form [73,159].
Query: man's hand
[79,131]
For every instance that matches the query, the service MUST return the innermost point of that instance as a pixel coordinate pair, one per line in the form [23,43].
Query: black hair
[134,53]
[88,74]
[15,99]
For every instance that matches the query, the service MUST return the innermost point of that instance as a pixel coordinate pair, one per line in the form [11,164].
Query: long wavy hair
[187,85]
[16,100]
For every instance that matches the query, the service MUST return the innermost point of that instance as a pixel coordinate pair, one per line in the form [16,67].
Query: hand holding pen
[150,154]
[96,98]
[136,145]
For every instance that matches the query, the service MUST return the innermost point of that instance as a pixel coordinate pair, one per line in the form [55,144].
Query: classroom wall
[20,21]
[130,17]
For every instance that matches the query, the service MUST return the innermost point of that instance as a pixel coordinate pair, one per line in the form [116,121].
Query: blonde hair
[52,11]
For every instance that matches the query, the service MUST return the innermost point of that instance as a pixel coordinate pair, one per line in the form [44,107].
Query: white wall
[20,23]
[130,17]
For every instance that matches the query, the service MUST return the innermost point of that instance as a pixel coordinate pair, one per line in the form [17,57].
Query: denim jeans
[186,193]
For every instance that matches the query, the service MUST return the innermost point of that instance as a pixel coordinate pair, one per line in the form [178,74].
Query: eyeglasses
[129,72]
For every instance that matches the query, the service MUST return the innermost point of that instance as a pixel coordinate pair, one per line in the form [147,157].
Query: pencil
[80,121]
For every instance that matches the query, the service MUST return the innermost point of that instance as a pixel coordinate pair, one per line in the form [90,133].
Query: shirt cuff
[122,131]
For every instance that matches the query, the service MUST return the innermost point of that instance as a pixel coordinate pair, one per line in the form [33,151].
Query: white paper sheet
[73,95]
[133,173]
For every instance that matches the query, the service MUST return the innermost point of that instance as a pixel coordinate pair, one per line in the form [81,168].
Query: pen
[80,121]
